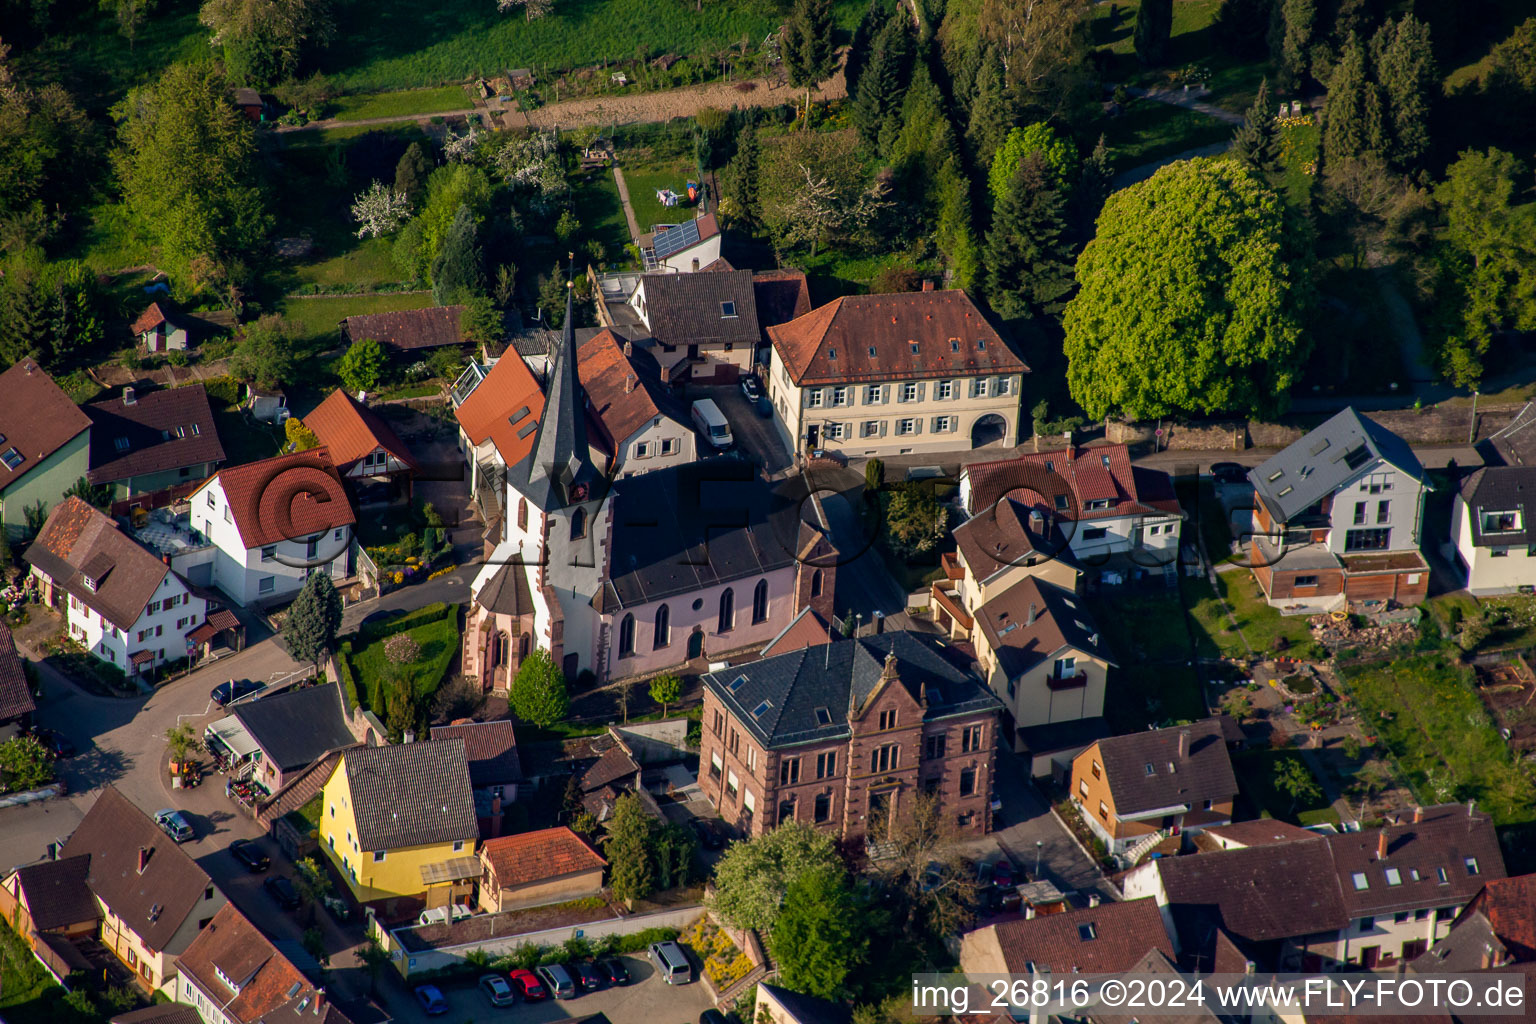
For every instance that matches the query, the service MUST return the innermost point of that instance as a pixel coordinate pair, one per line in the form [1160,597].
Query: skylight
[12,458]
[1087,932]
[1394,877]
[823,716]
[831,353]
[1471,863]
[735,684]
[1105,460]
[727,309]
[1361,882]
[761,709]
[954,345]
[1151,770]
[981,343]
[914,348]
[1357,457]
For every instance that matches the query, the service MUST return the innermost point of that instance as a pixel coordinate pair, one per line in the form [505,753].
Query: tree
[1029,259]
[1291,34]
[1513,61]
[95,495]
[402,649]
[374,957]
[875,17]
[993,112]
[264,354]
[1294,778]
[313,885]
[1193,298]
[1043,45]
[806,48]
[182,740]
[915,520]
[819,941]
[1154,26]
[188,172]
[412,172]
[1058,156]
[48,147]
[459,271]
[130,14]
[313,619]
[1405,69]
[460,697]
[1256,145]
[1242,25]
[449,188]
[24,764]
[738,186]
[666,689]
[877,103]
[264,40]
[362,365]
[956,229]
[481,319]
[538,694]
[628,847]
[299,436]
[380,210]
[752,877]
[1352,118]
[1094,183]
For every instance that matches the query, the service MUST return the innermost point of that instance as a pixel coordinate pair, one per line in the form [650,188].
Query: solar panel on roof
[675,240]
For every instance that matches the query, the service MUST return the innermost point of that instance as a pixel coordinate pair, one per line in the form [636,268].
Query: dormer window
[121,444]
[914,348]
[1503,522]
[727,310]
[228,982]
[981,344]
[90,583]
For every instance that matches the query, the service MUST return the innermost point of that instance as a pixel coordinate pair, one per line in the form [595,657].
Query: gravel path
[663,106]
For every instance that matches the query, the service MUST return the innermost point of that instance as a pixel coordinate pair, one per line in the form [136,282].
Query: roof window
[762,709]
[1394,877]
[735,684]
[12,458]
[1471,863]
[981,343]
[872,352]
[954,344]
[1087,932]
[1361,882]
[823,716]
[727,309]
[1104,459]
[914,348]
[1151,770]
[831,353]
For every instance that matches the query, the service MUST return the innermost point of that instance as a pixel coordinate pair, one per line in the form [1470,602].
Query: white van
[442,915]
[712,423]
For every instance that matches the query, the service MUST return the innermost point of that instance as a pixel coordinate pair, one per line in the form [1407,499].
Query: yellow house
[399,821]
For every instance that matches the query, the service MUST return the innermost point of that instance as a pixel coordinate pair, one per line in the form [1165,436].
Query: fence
[155,499]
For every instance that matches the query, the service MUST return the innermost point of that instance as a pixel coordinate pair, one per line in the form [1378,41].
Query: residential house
[495,770]
[681,248]
[271,524]
[782,295]
[1337,518]
[639,423]
[1104,938]
[160,329]
[152,897]
[777,1005]
[407,331]
[614,774]
[154,442]
[50,907]
[45,446]
[1494,547]
[894,375]
[269,405]
[399,821]
[233,974]
[1497,927]
[1365,899]
[994,552]
[633,576]
[120,602]
[366,453]
[291,730]
[704,326]
[499,411]
[846,735]
[1042,655]
[160,1013]
[532,869]
[1137,789]
[16,704]
[1239,835]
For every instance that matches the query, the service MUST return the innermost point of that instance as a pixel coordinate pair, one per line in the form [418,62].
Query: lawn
[1260,624]
[1429,716]
[595,201]
[441,100]
[835,272]
[1255,772]
[1148,131]
[1142,628]
[318,317]
[644,180]
[1232,83]
[435,628]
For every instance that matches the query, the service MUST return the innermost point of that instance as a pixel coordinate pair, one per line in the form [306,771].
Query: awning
[144,657]
[215,624]
[453,870]
[232,734]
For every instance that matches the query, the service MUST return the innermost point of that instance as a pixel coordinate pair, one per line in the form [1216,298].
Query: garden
[1279,784]
[724,964]
[29,995]
[396,678]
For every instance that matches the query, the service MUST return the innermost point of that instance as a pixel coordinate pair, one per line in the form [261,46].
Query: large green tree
[1293,30]
[877,104]
[739,182]
[412,171]
[819,940]
[263,40]
[48,151]
[629,847]
[189,173]
[752,877]
[1404,66]
[993,111]
[448,188]
[1154,27]
[52,312]
[956,231]
[1193,298]
[1354,125]
[313,620]
[362,365]
[806,48]
[1044,46]
[458,272]
[538,695]
[1256,144]
[1029,258]
[1058,154]
[870,23]
[264,354]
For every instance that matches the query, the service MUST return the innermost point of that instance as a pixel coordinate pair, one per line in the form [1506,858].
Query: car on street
[1229,472]
[750,389]
[588,976]
[529,984]
[55,742]
[559,981]
[1003,874]
[497,991]
[670,962]
[282,890]
[232,690]
[613,969]
[710,832]
[174,825]
[249,854]
[431,999]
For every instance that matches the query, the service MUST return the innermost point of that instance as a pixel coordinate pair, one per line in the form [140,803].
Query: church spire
[560,450]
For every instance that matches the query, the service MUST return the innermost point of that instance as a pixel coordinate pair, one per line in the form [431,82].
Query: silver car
[174,825]
[497,991]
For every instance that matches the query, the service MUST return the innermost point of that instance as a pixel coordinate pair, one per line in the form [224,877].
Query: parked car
[497,991]
[56,743]
[670,962]
[338,907]
[282,890]
[249,854]
[712,1016]
[431,999]
[1003,873]
[174,825]
[529,984]
[227,692]
[559,981]
[614,970]
[709,832]
[1229,472]
[750,389]
[587,976]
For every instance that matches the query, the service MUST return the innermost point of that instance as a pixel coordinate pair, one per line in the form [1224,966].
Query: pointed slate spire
[560,450]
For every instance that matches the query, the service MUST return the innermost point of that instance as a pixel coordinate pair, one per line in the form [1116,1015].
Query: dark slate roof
[56,892]
[680,529]
[491,748]
[1501,489]
[685,309]
[1202,772]
[1257,893]
[161,430]
[411,794]
[506,592]
[1515,445]
[830,678]
[1033,620]
[558,472]
[1471,939]
[616,765]
[15,694]
[1326,459]
[1417,852]
[295,727]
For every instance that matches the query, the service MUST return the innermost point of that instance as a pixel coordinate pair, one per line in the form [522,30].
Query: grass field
[435,628]
[1258,622]
[1148,131]
[643,181]
[596,203]
[1255,772]
[1139,696]
[441,100]
[367,266]
[318,317]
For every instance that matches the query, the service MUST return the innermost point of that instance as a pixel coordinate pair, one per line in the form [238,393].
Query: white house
[1495,541]
[643,427]
[703,325]
[232,974]
[681,248]
[121,603]
[271,524]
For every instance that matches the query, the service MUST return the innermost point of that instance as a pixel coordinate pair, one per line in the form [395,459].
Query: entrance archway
[989,429]
[695,644]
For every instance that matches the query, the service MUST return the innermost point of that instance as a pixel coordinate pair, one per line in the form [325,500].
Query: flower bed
[724,964]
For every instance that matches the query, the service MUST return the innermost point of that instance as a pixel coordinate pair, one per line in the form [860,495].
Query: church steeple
[560,450]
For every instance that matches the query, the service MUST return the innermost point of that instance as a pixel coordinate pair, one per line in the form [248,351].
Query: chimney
[496,815]
[1418,815]
[409,736]
[629,383]
[1093,900]
[879,622]
[1487,958]
[1029,913]
[1031,620]
[928,284]
[128,396]
[1381,845]
[1249,967]
[1183,744]
[319,1002]
[145,852]
[629,348]
[1471,806]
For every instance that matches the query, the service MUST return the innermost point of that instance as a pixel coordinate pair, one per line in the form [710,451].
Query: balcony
[950,561]
[1076,681]
[946,603]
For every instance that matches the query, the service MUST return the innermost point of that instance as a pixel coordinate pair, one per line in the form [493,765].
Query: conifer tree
[740,182]
[957,225]
[1352,119]
[1094,184]
[807,46]
[1291,35]
[1256,145]
[1029,261]
[992,112]
[882,85]
[412,171]
[458,272]
[1404,68]
[313,619]
[875,16]
[1154,26]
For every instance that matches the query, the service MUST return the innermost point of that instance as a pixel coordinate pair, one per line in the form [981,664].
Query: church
[630,577]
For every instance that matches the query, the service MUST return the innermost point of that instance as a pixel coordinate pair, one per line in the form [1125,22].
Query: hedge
[542,956]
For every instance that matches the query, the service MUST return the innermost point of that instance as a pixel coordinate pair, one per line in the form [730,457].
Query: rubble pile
[1335,634]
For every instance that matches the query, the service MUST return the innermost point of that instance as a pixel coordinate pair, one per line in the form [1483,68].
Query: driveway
[753,433]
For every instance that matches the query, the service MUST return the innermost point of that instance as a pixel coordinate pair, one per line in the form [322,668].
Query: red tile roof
[489,747]
[148,320]
[245,975]
[352,431]
[408,329]
[506,408]
[1417,853]
[1106,939]
[37,418]
[832,344]
[1509,904]
[1078,475]
[782,295]
[540,856]
[621,400]
[15,693]
[807,630]
[77,542]
[286,497]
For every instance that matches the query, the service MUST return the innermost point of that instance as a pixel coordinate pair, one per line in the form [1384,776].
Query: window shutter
[917,424]
[933,424]
[922,390]
[901,392]
[848,434]
[958,390]
[882,428]
[992,386]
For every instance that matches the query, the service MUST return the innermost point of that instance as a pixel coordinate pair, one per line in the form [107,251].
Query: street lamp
[1039,845]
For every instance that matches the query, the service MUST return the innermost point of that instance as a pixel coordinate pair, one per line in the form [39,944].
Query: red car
[528,983]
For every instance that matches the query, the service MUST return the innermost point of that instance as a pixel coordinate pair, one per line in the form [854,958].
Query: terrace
[168,531]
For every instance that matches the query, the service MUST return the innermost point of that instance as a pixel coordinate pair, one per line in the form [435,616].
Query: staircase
[1142,846]
[764,969]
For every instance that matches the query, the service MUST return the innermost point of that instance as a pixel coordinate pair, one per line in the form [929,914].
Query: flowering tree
[380,210]
[460,148]
[532,9]
[402,649]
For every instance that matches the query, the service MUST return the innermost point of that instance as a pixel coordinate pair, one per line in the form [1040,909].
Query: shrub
[222,389]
